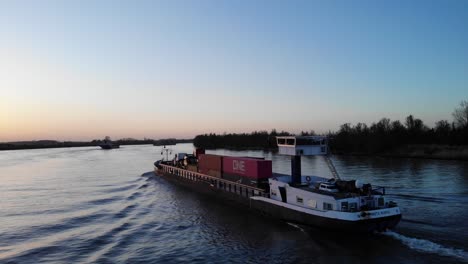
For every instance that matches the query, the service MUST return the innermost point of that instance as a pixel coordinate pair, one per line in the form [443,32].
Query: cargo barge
[328,203]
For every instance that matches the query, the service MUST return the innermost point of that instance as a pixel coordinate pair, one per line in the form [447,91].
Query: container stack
[245,170]
[249,171]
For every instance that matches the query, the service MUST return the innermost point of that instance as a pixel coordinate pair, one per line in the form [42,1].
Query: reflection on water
[90,205]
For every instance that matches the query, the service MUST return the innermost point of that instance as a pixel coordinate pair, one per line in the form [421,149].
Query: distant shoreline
[45,144]
[25,146]
[420,151]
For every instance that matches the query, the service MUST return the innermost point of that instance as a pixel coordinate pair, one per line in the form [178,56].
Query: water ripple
[86,207]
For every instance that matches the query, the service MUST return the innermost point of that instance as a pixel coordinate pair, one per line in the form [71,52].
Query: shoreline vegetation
[411,139]
[406,150]
[40,144]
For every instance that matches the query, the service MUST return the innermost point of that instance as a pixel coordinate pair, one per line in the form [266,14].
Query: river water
[86,205]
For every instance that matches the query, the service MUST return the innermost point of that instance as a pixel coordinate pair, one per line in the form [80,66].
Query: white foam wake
[423,245]
[296,226]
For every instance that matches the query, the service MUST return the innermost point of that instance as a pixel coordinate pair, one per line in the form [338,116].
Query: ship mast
[166,151]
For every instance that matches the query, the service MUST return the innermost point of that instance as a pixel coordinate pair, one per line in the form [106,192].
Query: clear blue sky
[78,70]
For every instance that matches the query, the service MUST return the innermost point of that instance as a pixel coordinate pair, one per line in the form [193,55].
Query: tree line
[386,135]
[254,140]
[379,137]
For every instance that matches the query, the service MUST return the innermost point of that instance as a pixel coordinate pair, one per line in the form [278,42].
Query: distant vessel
[330,203]
[107,144]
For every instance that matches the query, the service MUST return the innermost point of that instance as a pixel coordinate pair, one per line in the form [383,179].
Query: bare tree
[409,122]
[442,127]
[460,115]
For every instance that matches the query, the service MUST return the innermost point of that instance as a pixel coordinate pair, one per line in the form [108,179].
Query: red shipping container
[210,162]
[247,167]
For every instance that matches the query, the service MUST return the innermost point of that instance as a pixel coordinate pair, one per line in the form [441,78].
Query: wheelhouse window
[344,206]
[327,206]
[290,141]
[353,207]
[299,199]
[381,202]
[281,141]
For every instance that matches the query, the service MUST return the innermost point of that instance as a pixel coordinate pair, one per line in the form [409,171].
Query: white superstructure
[323,197]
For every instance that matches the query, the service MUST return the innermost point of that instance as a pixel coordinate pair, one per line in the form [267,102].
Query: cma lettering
[238,165]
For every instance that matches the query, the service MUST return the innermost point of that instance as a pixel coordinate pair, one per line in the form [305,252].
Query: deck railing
[229,186]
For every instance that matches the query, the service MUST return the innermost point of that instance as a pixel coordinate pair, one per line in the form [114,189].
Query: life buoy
[308,179]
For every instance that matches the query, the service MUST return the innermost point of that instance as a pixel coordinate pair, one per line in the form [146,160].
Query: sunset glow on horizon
[156,69]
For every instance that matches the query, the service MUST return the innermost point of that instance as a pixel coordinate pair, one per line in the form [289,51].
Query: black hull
[283,213]
[109,147]
[208,189]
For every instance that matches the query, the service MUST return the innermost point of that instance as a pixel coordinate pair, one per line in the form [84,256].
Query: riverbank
[421,151]
[43,144]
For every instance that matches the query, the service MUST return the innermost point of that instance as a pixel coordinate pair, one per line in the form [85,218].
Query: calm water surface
[86,205]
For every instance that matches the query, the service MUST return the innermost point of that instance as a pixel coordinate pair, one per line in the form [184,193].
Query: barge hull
[279,212]
[298,217]
[207,188]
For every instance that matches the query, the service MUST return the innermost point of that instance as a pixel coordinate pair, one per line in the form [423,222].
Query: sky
[81,70]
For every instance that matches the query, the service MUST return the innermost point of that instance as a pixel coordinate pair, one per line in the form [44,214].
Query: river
[87,205]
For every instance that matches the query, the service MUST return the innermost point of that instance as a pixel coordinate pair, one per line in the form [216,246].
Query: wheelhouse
[302,145]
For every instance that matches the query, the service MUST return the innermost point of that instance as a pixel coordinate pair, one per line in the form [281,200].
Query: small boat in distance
[107,144]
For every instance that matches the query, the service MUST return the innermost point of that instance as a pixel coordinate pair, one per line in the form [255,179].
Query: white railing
[222,184]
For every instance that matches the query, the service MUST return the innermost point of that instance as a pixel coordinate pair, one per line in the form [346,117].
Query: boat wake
[427,246]
[296,226]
